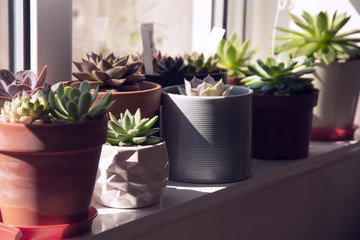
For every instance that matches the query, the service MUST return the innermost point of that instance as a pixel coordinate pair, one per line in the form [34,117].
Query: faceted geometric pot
[282,125]
[339,87]
[48,171]
[148,99]
[132,177]
[208,138]
[171,80]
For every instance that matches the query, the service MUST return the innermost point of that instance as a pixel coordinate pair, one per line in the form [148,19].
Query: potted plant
[24,80]
[282,107]
[207,131]
[134,167]
[234,56]
[122,78]
[49,153]
[172,70]
[337,65]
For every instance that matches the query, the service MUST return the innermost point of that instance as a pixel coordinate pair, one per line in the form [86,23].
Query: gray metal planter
[208,138]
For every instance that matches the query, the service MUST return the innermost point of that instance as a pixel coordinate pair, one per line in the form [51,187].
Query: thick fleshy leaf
[14,89]
[6,76]
[104,65]
[42,78]
[135,78]
[100,76]
[115,82]
[73,110]
[88,66]
[134,67]
[78,66]
[82,76]
[117,72]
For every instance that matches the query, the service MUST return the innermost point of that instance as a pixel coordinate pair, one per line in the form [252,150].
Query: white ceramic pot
[132,177]
[338,85]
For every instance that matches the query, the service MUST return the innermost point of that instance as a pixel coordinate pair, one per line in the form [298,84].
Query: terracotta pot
[148,99]
[234,81]
[208,138]
[132,177]
[339,87]
[48,171]
[170,80]
[282,125]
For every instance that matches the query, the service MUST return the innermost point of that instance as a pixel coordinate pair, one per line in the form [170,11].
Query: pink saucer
[58,231]
[10,233]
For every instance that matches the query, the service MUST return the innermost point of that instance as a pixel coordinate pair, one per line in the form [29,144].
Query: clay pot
[48,171]
[147,99]
[132,177]
[282,126]
[170,80]
[234,81]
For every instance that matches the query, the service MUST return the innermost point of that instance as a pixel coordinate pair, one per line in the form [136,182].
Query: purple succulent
[22,81]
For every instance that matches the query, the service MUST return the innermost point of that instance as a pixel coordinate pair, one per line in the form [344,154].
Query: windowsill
[183,194]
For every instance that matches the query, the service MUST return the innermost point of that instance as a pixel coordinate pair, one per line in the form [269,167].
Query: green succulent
[109,72]
[72,104]
[235,56]
[206,87]
[27,108]
[281,76]
[132,130]
[197,64]
[319,38]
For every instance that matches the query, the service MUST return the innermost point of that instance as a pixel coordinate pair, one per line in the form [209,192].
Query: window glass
[114,26]
[4,30]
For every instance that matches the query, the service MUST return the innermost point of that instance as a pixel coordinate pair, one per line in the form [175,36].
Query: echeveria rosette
[320,38]
[234,56]
[27,108]
[170,66]
[198,64]
[109,72]
[206,87]
[132,130]
[72,104]
[12,84]
[281,76]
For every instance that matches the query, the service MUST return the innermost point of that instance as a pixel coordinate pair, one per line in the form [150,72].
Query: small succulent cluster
[72,104]
[198,64]
[109,72]
[26,108]
[320,38]
[235,56]
[187,64]
[132,130]
[21,81]
[206,87]
[68,104]
[281,76]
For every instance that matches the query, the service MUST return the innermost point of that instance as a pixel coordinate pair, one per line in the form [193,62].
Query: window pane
[4,30]
[114,26]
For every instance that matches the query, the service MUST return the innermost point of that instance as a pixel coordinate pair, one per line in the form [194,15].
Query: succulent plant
[132,130]
[235,56]
[21,81]
[206,87]
[109,72]
[169,65]
[72,104]
[281,76]
[320,38]
[27,108]
[197,64]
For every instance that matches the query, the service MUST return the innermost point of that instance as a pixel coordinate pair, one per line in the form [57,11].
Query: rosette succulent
[170,66]
[27,108]
[72,104]
[21,81]
[109,72]
[132,130]
[281,76]
[235,56]
[206,87]
[320,38]
[198,64]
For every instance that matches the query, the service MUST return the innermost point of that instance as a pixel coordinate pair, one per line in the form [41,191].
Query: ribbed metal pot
[208,138]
